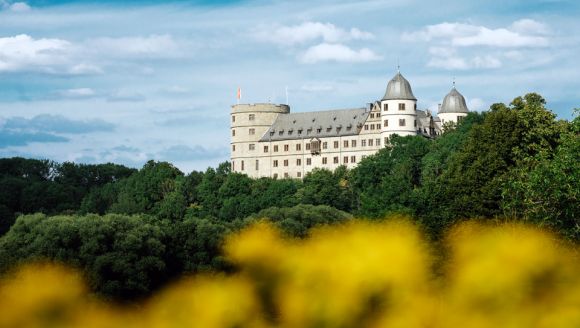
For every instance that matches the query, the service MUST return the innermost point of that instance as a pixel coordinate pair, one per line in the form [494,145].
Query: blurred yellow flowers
[360,274]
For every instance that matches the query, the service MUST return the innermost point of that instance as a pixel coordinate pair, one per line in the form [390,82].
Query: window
[242,165]
[252,117]
[298,162]
[366,126]
[353,159]
[257,165]
[233,118]
[286,175]
[298,147]
[378,141]
[345,143]
[276,148]
[370,142]
[336,144]
[363,143]
[308,146]
[275,163]
[252,132]
[286,147]
[315,147]
[233,147]
[353,143]
[379,126]
[285,162]
[415,107]
[325,145]
[309,161]
[233,133]
[401,122]
[372,115]
[385,107]
[364,156]
[265,149]
[372,126]
[324,160]
[345,159]
[386,123]
[252,147]
[275,176]
[233,166]
[299,174]
[335,160]
[401,106]
[386,141]
[415,123]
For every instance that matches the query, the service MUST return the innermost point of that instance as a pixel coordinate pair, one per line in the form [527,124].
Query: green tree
[298,220]
[145,190]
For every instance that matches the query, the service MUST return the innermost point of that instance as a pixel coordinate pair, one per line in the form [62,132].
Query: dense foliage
[132,230]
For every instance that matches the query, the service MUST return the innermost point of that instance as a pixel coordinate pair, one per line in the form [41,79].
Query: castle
[269,141]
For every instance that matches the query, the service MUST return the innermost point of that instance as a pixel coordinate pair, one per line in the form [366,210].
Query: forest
[131,231]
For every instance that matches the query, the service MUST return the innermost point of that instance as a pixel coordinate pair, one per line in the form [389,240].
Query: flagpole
[287,96]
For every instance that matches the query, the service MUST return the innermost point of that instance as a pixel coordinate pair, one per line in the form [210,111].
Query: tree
[122,256]
[547,193]
[386,181]
[145,190]
[298,220]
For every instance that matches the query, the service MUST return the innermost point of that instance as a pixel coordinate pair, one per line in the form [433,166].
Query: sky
[126,82]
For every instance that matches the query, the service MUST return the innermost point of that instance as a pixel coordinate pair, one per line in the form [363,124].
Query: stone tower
[249,122]
[399,108]
[453,107]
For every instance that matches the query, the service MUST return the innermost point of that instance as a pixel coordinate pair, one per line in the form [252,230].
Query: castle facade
[269,141]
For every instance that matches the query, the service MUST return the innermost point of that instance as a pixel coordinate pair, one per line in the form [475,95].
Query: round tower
[249,122]
[399,108]
[453,107]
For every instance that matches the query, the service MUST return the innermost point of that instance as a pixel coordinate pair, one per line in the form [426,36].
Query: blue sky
[129,81]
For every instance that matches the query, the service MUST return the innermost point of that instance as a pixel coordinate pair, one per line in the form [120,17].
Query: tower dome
[454,102]
[399,89]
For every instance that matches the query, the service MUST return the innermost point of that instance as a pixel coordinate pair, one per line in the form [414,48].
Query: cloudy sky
[124,82]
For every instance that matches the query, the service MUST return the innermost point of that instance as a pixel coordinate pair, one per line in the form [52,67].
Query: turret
[399,108]
[453,107]
[249,122]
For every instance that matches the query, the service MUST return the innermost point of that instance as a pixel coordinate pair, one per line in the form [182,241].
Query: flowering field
[359,274]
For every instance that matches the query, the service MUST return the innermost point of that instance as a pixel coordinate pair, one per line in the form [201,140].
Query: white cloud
[85,69]
[450,63]
[460,63]
[325,52]
[125,96]
[458,46]
[476,104]
[19,7]
[522,33]
[23,53]
[486,62]
[153,46]
[529,26]
[317,87]
[309,32]
[78,93]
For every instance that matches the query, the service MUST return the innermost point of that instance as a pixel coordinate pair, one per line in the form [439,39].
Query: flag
[239,93]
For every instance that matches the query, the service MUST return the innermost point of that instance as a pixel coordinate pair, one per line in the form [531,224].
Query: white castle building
[269,141]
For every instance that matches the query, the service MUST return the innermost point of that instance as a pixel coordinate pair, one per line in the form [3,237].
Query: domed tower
[453,107]
[399,108]
[249,122]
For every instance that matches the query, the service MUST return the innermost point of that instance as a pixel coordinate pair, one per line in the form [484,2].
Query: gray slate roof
[399,89]
[454,102]
[321,124]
